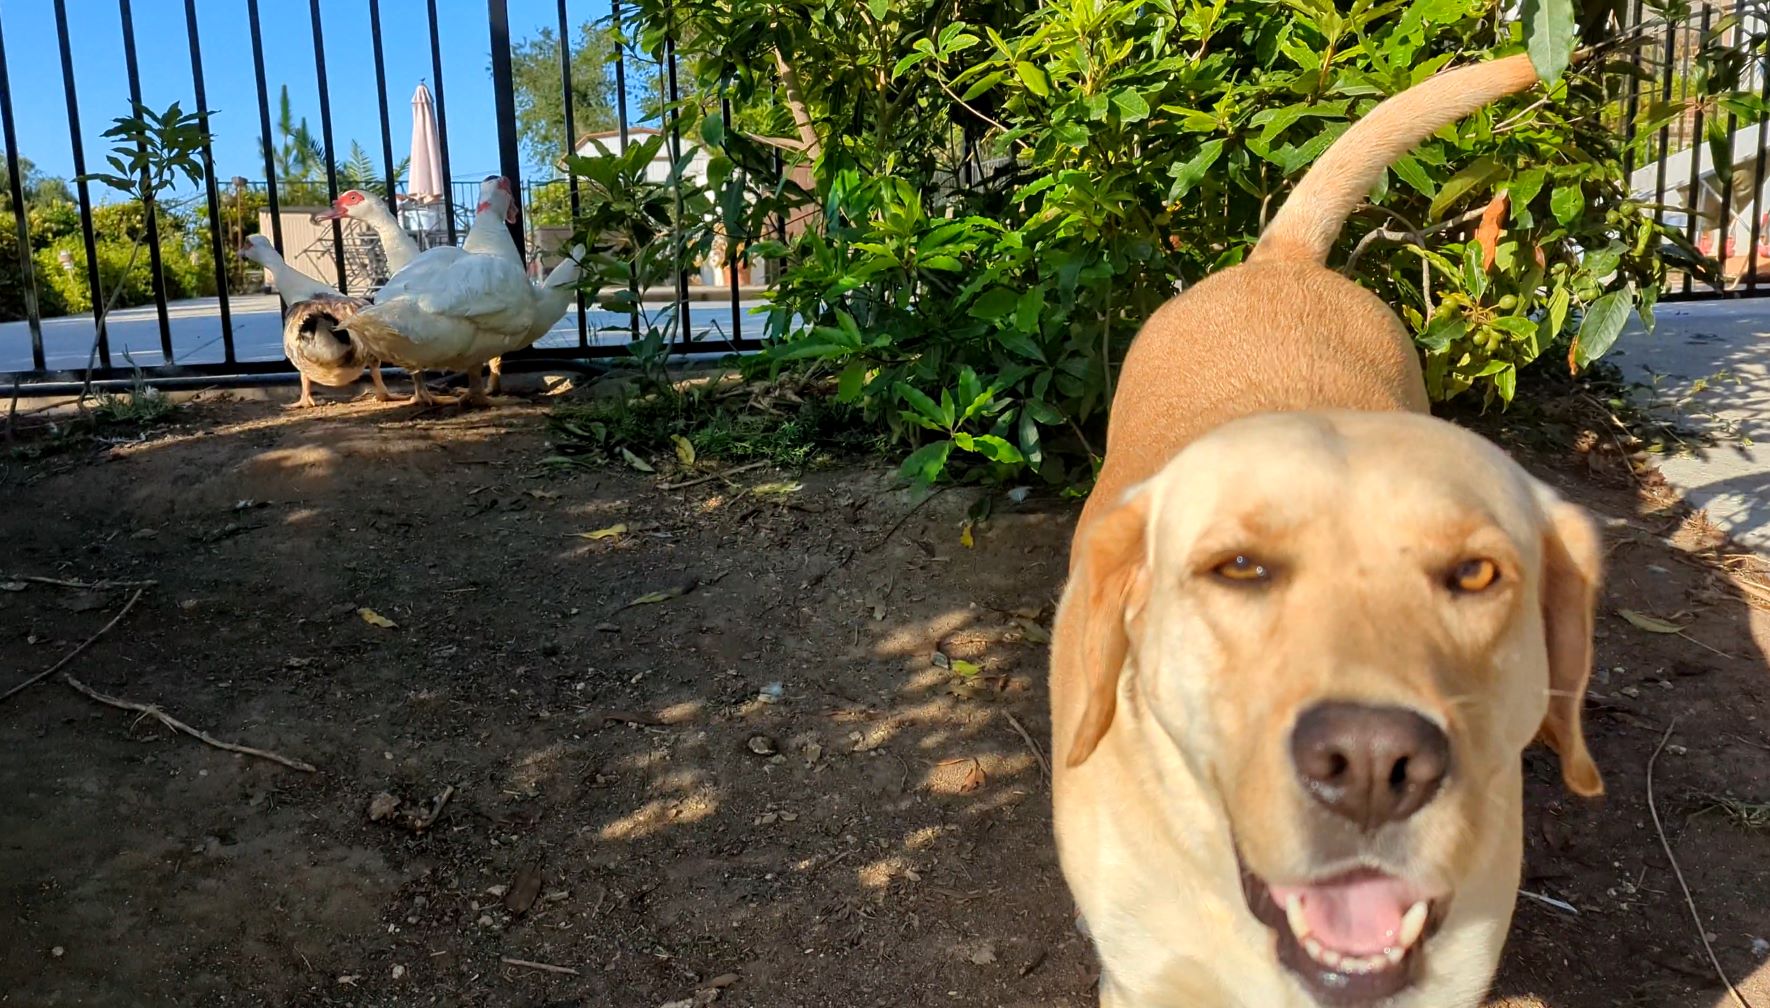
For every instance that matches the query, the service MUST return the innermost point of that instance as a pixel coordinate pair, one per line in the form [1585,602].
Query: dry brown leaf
[974,778]
[1033,632]
[374,618]
[776,489]
[603,533]
[524,890]
[542,494]
[1487,233]
[1651,624]
[663,595]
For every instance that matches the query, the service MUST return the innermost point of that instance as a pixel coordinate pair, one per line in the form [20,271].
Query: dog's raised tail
[1305,227]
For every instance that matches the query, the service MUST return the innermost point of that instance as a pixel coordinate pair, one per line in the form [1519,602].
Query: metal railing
[1673,169]
[235,334]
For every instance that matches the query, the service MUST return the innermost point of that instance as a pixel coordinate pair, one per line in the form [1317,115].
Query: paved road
[258,332]
[1712,360]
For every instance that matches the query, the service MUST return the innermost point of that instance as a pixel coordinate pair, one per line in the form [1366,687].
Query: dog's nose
[1372,765]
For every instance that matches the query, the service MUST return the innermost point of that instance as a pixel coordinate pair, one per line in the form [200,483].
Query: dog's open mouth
[1354,938]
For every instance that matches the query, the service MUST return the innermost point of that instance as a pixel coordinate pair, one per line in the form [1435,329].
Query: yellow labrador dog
[1307,634]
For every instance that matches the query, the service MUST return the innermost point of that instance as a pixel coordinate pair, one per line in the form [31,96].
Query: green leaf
[1028,310]
[1034,79]
[926,463]
[1506,382]
[1131,106]
[990,447]
[995,303]
[1551,28]
[1477,174]
[1409,171]
[927,412]
[983,84]
[1720,141]
[1190,172]
[852,382]
[1566,203]
[1604,321]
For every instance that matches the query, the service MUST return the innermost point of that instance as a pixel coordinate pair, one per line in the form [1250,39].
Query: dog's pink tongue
[1360,915]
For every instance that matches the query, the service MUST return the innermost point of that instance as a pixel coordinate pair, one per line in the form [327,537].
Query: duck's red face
[343,206]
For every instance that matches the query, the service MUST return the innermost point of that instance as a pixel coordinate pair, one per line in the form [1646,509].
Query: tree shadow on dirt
[765,744]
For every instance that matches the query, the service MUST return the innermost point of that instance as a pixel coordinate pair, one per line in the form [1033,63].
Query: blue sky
[162,47]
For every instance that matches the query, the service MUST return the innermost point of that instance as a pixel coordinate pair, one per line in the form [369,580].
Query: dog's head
[1348,625]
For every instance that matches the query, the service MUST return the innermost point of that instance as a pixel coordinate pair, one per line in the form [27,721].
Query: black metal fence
[237,333]
[1703,177]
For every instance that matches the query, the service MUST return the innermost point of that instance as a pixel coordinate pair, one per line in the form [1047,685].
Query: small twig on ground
[71,655]
[711,476]
[1709,647]
[882,540]
[436,810]
[1689,901]
[177,725]
[1026,736]
[544,967]
[105,585]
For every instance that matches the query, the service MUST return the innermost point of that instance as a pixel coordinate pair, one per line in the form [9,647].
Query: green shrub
[71,287]
[1134,148]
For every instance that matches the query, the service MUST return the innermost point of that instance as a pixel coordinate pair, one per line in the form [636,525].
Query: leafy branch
[152,151]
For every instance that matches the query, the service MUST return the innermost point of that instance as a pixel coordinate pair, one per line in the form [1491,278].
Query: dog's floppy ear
[1572,562]
[1109,588]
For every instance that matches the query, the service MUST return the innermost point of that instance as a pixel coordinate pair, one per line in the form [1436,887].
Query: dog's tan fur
[1277,409]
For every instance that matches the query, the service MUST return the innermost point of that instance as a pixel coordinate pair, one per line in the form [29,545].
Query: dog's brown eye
[1241,567]
[1474,575]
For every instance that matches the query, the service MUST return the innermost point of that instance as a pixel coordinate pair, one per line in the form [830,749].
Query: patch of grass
[1746,815]
[791,428]
[112,416]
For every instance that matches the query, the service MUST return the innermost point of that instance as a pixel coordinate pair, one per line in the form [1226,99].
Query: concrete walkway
[1711,362]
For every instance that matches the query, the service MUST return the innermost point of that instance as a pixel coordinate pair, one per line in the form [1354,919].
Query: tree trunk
[796,104]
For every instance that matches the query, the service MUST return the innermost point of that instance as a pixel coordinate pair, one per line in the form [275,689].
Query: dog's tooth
[1393,956]
[1314,948]
[1330,958]
[1413,924]
[1293,915]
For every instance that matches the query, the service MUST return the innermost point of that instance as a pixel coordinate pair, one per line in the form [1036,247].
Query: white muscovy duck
[399,247]
[313,337]
[456,309]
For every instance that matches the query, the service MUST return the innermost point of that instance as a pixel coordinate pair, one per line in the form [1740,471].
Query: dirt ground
[765,786]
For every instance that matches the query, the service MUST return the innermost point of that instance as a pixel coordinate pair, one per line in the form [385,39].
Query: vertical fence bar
[381,103]
[731,240]
[442,123]
[319,73]
[270,165]
[1751,281]
[1691,226]
[16,185]
[677,249]
[103,340]
[1631,105]
[212,199]
[621,121]
[1663,155]
[504,102]
[571,147]
[155,268]
[1725,241]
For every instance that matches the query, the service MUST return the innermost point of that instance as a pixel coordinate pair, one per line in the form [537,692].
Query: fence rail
[236,332]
